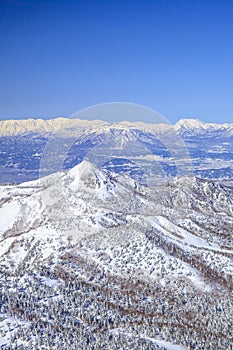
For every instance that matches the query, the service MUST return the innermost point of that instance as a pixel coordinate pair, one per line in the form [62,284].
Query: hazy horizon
[113,122]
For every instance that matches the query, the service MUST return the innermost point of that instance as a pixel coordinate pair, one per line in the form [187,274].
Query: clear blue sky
[60,56]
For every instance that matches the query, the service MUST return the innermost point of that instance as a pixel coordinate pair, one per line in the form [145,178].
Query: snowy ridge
[86,196]
[195,127]
[92,257]
[41,126]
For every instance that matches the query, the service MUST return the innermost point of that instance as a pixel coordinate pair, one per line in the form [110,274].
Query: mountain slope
[91,257]
[187,213]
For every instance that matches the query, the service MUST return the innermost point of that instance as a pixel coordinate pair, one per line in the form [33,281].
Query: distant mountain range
[31,148]
[185,127]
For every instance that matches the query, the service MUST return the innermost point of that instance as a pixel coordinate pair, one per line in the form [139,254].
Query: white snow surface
[163,343]
[40,218]
[67,126]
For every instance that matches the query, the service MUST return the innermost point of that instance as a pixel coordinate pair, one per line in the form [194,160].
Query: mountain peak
[89,177]
[189,124]
[83,169]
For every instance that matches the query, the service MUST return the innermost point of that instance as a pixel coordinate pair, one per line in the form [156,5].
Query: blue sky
[58,57]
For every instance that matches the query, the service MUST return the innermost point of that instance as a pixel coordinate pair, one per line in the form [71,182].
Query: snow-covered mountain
[184,127]
[183,210]
[105,258]
[18,127]
[32,147]
[194,127]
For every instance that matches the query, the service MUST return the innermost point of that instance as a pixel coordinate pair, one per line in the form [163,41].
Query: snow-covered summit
[82,169]
[190,124]
[88,177]
[69,125]
[194,127]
